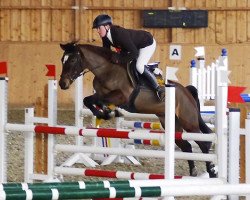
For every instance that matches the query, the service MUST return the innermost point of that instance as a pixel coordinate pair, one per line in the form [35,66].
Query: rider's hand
[115,58]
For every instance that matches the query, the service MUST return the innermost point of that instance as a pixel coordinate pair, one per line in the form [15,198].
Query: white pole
[127,114]
[134,152]
[213,81]
[79,106]
[169,131]
[52,121]
[221,122]
[3,121]
[169,134]
[29,147]
[208,83]
[206,190]
[233,148]
[247,151]
[202,82]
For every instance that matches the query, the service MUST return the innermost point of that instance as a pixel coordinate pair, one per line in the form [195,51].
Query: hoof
[209,145]
[118,114]
[212,171]
[212,175]
[194,172]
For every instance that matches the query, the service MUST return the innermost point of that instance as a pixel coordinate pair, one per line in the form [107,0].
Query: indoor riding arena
[74,124]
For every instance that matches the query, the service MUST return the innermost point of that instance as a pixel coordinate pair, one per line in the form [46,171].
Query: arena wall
[30,33]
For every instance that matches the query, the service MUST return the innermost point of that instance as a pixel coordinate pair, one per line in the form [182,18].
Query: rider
[134,44]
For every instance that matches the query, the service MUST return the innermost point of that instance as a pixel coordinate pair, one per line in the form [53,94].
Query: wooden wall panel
[128,20]
[200,33]
[188,33]
[241,22]
[248,22]
[35,21]
[46,20]
[56,22]
[68,16]
[15,21]
[220,23]
[5,22]
[53,21]
[25,22]
[177,33]
[210,30]
[85,21]
[231,25]
[118,15]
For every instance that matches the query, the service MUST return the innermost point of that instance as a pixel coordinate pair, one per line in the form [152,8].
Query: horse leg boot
[153,83]
[100,113]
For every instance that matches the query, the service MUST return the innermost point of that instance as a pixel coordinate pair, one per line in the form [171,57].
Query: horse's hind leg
[209,165]
[204,146]
[185,146]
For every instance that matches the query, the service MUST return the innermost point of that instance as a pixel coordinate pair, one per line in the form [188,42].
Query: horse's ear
[63,46]
[70,47]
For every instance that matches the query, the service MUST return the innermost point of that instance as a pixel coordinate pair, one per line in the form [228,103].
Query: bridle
[79,64]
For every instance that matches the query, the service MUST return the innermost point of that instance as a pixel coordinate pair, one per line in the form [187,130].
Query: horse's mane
[103,52]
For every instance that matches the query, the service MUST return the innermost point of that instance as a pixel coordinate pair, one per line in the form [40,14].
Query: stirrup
[160,94]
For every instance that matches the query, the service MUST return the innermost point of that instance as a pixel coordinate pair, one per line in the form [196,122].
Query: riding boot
[153,83]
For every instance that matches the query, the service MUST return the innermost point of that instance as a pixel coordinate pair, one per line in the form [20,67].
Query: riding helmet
[102,19]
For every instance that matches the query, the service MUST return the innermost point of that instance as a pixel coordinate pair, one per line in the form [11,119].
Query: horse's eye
[73,60]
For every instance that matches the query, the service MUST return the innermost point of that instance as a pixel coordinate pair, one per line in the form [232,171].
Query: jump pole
[247,150]
[125,191]
[233,148]
[169,131]
[221,121]
[3,121]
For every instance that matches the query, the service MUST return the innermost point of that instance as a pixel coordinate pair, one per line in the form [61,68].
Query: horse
[113,85]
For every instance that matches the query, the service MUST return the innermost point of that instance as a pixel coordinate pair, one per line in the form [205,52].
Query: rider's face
[101,30]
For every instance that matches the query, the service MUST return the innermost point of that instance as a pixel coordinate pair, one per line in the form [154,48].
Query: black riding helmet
[102,20]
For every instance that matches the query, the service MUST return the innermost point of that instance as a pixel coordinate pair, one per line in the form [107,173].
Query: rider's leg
[144,56]
[153,82]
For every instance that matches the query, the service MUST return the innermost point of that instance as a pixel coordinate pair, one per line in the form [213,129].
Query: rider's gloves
[115,58]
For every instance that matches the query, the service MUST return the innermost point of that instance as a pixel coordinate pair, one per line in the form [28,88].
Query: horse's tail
[203,127]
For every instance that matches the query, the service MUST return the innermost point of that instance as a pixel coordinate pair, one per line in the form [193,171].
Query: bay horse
[114,86]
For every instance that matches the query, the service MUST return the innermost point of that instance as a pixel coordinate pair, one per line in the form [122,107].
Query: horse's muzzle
[64,83]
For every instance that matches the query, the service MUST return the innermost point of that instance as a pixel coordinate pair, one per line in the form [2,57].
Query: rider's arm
[129,50]
[106,43]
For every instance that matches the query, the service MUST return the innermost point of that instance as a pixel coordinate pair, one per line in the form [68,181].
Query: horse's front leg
[97,107]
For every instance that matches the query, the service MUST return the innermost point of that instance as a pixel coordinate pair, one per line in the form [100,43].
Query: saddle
[138,80]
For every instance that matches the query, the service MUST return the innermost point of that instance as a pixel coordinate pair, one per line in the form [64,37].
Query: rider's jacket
[128,40]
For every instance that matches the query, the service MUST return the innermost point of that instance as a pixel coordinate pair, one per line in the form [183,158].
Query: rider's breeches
[144,56]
